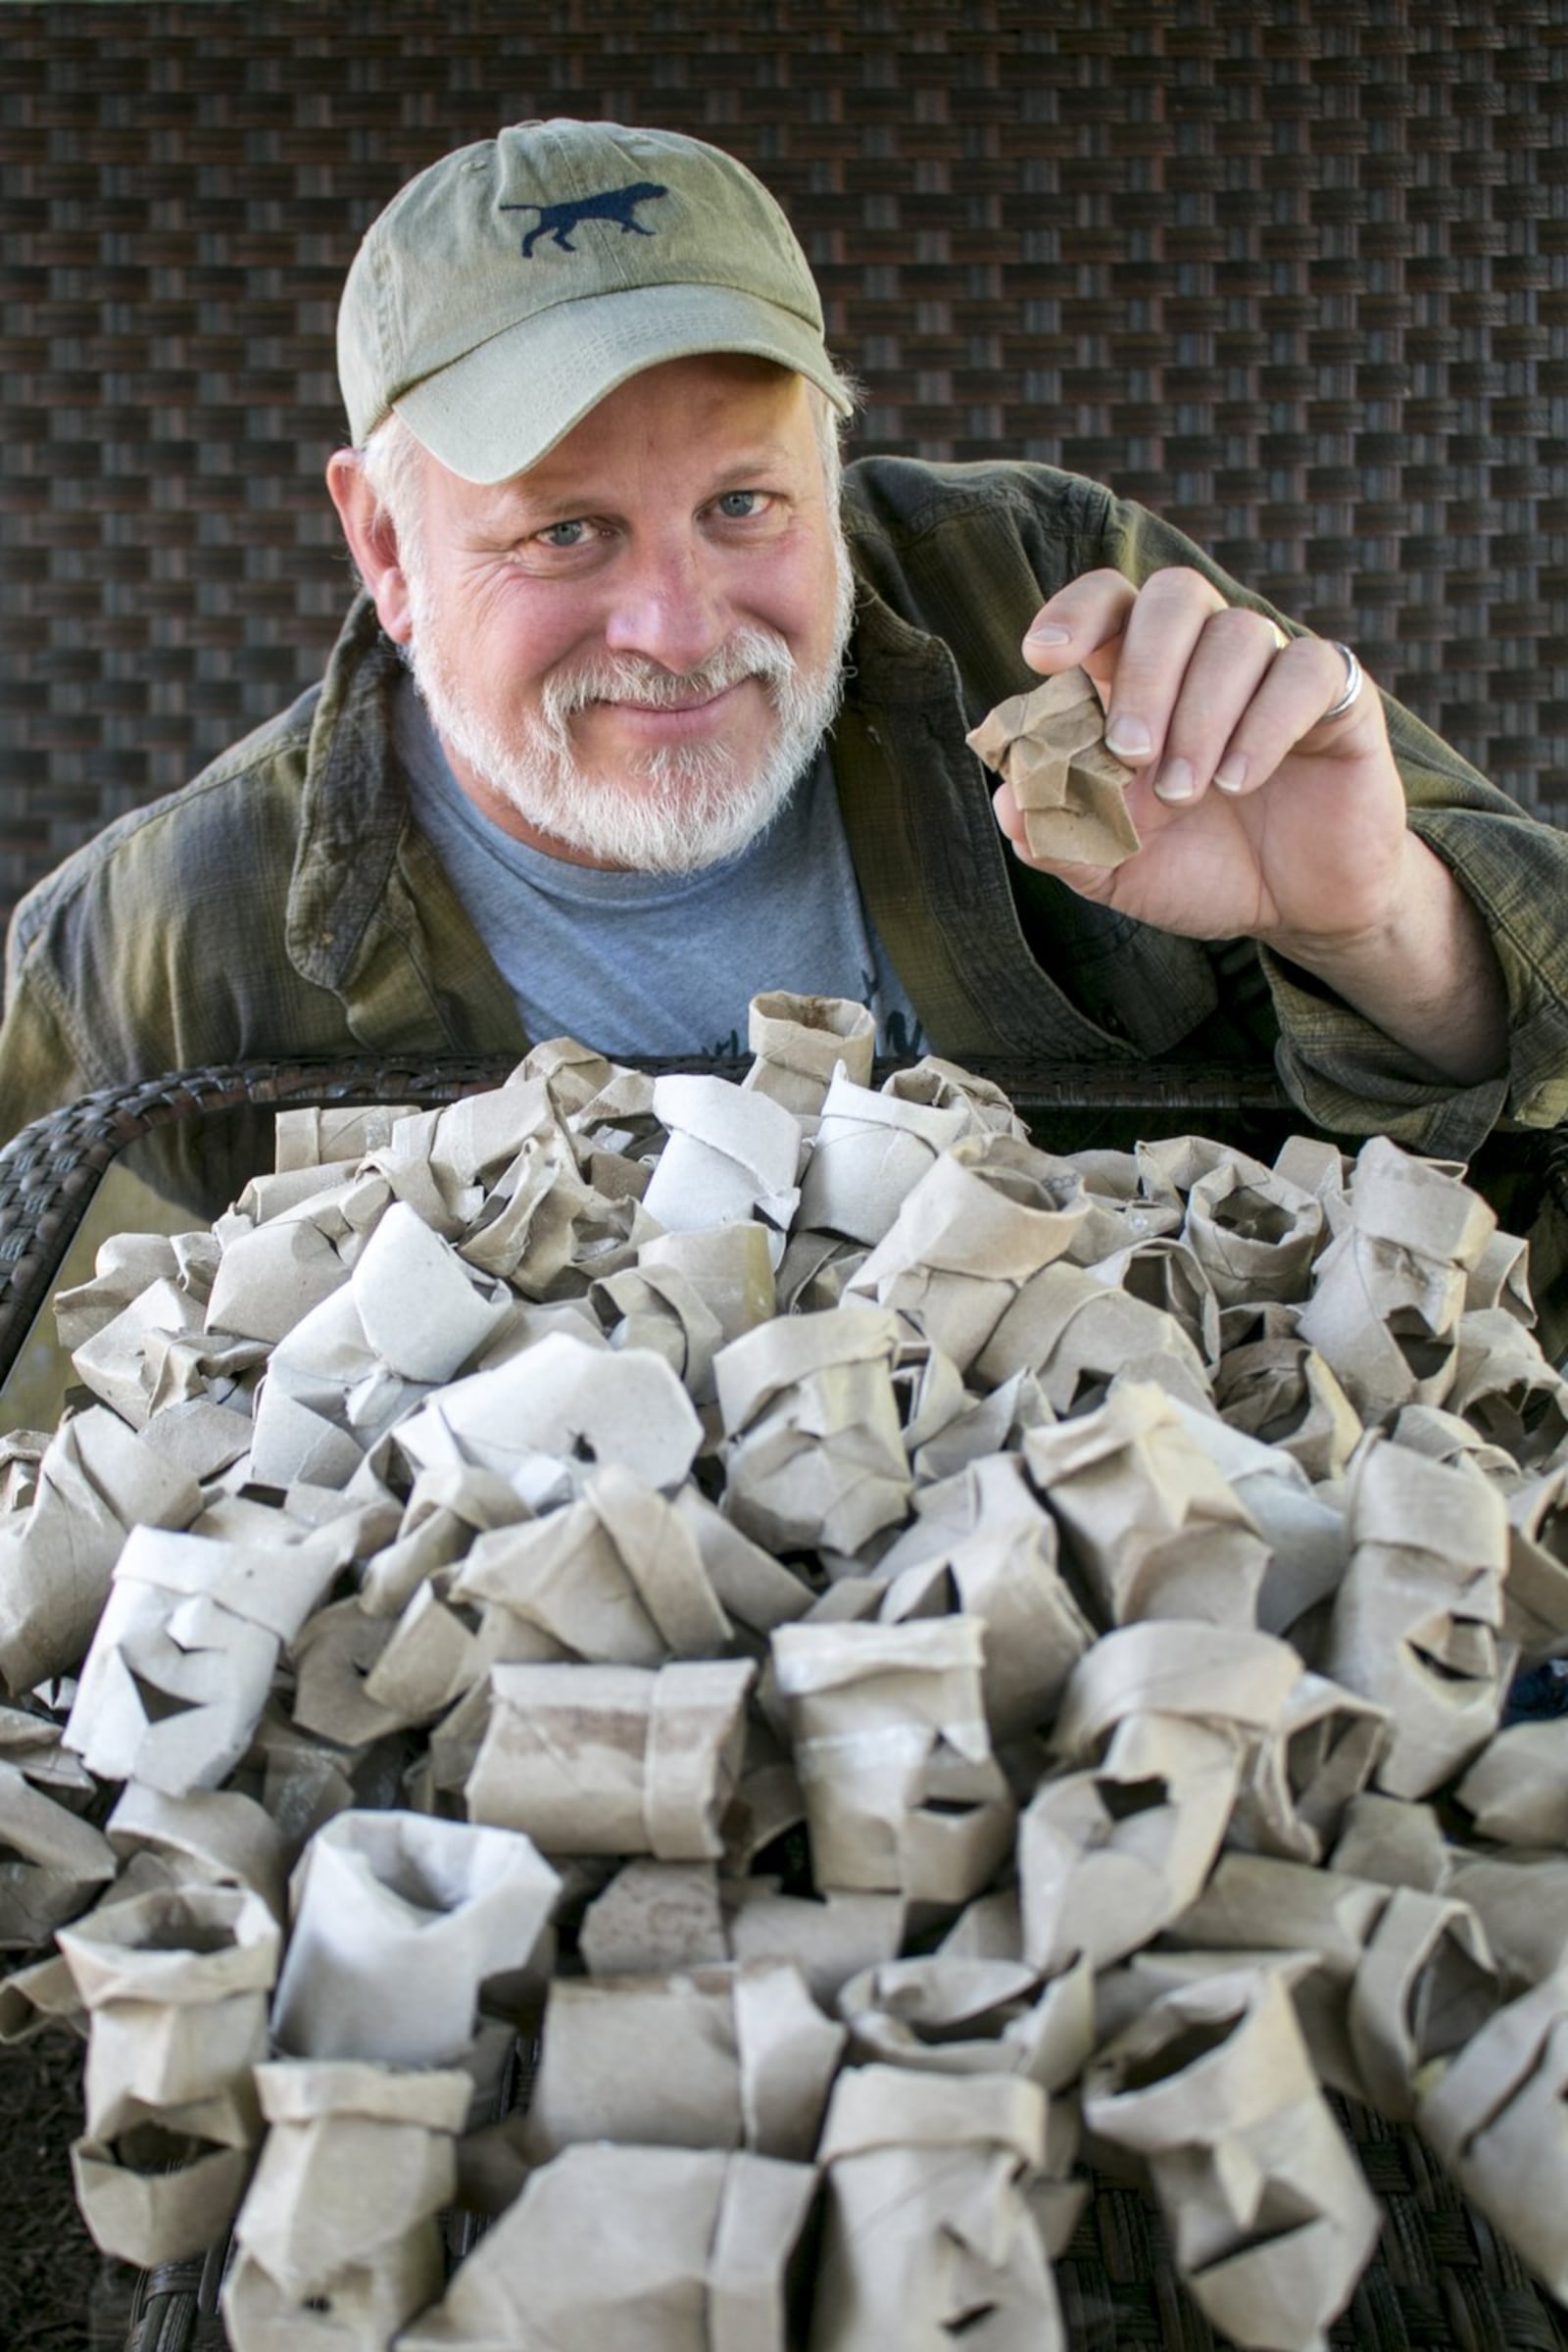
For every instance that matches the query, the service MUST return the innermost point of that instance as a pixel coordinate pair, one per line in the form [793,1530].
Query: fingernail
[1232,778]
[1128,738]
[1048,634]
[1174,781]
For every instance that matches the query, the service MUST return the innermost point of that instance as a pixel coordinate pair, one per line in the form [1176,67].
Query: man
[639,714]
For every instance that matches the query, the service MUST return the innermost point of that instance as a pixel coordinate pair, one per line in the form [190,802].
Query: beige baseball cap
[512,286]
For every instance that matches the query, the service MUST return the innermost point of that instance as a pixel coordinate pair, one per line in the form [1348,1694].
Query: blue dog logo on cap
[618,205]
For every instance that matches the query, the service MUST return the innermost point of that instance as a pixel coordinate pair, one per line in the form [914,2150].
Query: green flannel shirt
[284,905]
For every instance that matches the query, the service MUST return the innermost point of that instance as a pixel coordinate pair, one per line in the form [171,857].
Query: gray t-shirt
[653,964]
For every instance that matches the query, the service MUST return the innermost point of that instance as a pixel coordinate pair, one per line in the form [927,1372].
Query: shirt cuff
[1352,1078]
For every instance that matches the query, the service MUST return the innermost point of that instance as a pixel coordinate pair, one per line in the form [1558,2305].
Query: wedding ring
[1353,682]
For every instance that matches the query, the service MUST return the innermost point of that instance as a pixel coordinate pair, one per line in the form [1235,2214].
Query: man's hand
[1259,816]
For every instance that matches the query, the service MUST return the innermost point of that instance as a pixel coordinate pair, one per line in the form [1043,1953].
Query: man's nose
[666,605]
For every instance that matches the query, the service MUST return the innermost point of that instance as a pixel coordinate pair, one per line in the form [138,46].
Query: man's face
[631,651]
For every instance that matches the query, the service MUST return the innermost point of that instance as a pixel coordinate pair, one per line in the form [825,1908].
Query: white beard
[681,807]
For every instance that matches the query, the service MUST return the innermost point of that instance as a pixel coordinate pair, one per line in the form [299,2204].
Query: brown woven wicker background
[1295,271]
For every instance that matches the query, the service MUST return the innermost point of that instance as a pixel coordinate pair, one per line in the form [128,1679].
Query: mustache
[625,677]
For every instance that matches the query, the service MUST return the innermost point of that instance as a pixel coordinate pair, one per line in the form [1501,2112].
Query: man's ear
[372,542]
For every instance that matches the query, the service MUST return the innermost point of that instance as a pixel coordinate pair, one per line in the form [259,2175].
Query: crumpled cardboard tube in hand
[1050,746]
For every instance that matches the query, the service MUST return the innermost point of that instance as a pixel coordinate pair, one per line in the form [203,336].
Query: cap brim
[503,406]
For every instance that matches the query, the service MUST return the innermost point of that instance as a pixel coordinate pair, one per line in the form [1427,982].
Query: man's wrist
[1424,972]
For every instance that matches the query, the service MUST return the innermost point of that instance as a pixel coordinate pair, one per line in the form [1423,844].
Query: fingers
[1292,700]
[1197,693]
[1203,712]
[1089,613]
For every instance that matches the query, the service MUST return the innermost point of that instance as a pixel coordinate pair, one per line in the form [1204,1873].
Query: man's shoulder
[937,542]
[968,553]
[912,495]
[243,801]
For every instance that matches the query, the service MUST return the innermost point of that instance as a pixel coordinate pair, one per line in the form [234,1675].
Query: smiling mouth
[696,701]
[649,697]
[670,711]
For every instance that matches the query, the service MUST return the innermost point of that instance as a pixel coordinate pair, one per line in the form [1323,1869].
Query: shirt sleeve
[41,1062]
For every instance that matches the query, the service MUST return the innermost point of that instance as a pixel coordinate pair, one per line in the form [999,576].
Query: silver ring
[1353,682]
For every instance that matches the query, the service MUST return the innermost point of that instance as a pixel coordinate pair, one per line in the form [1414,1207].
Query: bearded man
[648,705]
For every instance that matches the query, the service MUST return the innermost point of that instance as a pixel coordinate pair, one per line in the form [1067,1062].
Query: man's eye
[738,506]
[574,533]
